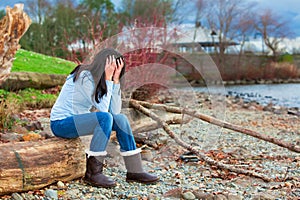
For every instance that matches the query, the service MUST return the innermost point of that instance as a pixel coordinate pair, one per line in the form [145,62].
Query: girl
[97,85]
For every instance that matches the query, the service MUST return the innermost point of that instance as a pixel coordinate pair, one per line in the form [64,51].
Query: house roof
[189,35]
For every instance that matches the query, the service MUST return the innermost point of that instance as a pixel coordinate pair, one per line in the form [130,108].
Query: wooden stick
[220,123]
[210,161]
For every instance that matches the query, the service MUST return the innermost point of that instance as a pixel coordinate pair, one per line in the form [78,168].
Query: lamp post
[213,34]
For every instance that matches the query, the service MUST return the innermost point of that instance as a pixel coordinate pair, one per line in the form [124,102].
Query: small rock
[36,125]
[172,165]
[220,197]
[103,197]
[46,134]
[10,137]
[188,195]
[28,196]
[51,194]
[147,155]
[234,197]
[16,196]
[163,140]
[202,196]
[175,193]
[60,184]
[152,197]
[19,129]
[31,136]
[263,196]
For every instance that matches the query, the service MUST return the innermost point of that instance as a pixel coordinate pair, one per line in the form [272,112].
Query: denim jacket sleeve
[105,101]
[115,102]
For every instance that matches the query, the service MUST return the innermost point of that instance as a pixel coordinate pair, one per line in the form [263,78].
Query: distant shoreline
[196,83]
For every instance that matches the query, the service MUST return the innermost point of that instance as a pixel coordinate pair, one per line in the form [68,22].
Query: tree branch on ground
[223,124]
[137,105]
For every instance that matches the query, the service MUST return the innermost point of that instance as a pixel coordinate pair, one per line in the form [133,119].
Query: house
[198,38]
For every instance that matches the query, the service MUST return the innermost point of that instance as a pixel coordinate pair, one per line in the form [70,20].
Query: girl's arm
[105,101]
[115,102]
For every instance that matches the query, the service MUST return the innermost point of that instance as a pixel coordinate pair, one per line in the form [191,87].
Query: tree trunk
[12,28]
[36,164]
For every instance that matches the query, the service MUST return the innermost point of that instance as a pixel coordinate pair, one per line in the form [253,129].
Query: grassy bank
[28,61]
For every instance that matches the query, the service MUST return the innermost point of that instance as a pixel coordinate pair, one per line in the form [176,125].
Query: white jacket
[77,97]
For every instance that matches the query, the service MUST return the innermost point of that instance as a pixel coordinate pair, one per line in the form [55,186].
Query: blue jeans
[100,124]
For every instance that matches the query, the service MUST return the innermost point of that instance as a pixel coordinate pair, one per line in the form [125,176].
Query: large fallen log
[22,80]
[35,164]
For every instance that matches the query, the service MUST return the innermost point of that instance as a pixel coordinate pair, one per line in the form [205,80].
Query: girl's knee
[105,118]
[120,118]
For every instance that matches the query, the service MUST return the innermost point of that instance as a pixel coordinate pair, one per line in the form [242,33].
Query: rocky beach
[183,175]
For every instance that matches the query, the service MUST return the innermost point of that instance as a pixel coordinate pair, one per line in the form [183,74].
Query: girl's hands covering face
[119,67]
[110,67]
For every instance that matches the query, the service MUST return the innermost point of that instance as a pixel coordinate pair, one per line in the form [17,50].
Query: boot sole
[140,181]
[98,185]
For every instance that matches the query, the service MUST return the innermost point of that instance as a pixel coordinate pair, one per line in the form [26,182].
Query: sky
[288,9]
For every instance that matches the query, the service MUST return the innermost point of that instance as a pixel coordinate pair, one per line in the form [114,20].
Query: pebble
[188,196]
[234,197]
[16,196]
[147,155]
[52,194]
[60,184]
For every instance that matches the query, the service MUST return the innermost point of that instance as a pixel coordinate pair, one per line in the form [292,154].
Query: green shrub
[9,106]
[12,103]
[32,98]
[286,58]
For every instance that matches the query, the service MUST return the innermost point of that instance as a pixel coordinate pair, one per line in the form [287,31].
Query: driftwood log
[22,80]
[12,28]
[35,164]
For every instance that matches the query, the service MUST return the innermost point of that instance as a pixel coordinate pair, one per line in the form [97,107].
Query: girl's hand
[110,67]
[119,67]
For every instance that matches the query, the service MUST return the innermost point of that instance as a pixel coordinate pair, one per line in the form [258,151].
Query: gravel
[198,180]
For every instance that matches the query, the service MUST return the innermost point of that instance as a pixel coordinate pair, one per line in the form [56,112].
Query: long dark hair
[97,69]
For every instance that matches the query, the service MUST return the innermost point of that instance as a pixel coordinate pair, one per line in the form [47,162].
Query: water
[287,95]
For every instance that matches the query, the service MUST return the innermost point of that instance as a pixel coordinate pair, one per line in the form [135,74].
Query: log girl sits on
[97,85]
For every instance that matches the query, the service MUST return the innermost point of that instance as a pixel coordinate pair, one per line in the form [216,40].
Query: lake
[287,95]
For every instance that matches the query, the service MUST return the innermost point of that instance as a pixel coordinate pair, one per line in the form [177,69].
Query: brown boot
[143,177]
[93,174]
[135,172]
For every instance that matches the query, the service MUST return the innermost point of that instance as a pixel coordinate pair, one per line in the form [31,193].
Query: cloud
[279,5]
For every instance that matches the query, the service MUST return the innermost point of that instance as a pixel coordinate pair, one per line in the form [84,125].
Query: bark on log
[202,156]
[32,165]
[224,124]
[12,28]
[22,80]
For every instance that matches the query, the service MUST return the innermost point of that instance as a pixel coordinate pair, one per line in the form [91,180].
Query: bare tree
[272,29]
[223,18]
[38,9]
[244,27]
